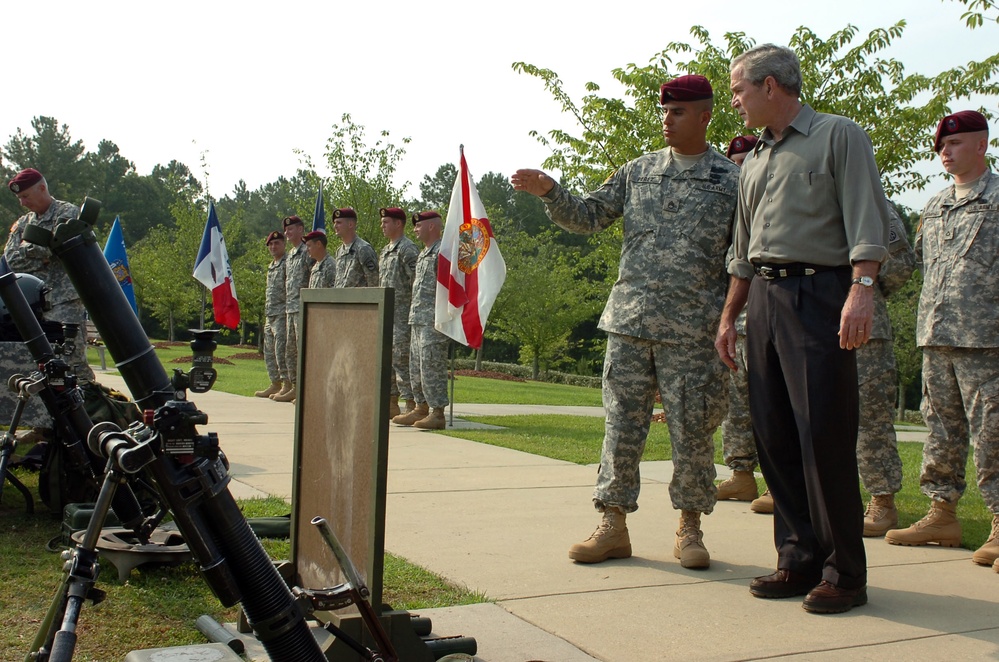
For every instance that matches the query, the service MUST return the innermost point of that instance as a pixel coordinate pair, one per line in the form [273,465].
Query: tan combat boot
[740,487]
[881,515]
[394,407]
[434,420]
[940,526]
[689,547]
[287,395]
[275,387]
[609,541]
[418,412]
[989,552]
[284,387]
[764,505]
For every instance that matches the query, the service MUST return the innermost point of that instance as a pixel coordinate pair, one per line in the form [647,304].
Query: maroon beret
[424,216]
[24,180]
[345,212]
[686,88]
[965,121]
[292,220]
[741,144]
[274,236]
[317,234]
[392,212]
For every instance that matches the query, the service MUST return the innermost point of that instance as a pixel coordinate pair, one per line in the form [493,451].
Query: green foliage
[524,372]
[844,74]
[363,176]
[162,265]
[541,325]
[908,357]
[976,16]
[436,190]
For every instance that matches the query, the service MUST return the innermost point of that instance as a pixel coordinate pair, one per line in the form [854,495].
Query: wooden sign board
[341,433]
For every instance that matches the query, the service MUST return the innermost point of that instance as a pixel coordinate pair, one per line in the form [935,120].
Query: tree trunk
[535,367]
[170,325]
[901,402]
[478,359]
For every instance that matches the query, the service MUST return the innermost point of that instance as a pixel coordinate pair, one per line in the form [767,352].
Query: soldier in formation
[356,260]
[428,346]
[396,269]
[275,322]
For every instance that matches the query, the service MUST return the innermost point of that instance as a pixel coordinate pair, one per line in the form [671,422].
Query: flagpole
[450,351]
[450,347]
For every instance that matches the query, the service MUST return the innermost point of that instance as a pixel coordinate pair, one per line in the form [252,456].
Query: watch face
[866,281]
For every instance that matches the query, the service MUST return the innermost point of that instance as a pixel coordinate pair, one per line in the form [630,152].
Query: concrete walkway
[500,522]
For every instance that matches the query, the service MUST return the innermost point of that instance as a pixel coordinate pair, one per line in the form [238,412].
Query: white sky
[247,83]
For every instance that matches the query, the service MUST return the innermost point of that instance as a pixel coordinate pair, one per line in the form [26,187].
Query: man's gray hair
[770,60]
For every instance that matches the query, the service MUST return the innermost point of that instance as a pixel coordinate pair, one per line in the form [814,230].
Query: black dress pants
[803,402]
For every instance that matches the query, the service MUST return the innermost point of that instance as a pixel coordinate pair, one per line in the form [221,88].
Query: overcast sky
[246,84]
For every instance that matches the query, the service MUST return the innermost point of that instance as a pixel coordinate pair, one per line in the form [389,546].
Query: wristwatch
[866,281]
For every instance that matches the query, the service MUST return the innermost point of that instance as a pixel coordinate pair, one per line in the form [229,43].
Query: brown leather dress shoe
[783,584]
[828,598]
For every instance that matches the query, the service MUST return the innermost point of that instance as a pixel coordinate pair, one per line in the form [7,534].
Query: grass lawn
[241,371]
[157,605]
[578,439]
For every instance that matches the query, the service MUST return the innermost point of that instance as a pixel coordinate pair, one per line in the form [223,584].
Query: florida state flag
[470,267]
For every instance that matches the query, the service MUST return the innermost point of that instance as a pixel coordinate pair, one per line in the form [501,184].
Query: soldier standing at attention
[356,260]
[428,346]
[45,211]
[396,268]
[812,224]
[677,205]
[275,323]
[297,266]
[958,328]
[324,270]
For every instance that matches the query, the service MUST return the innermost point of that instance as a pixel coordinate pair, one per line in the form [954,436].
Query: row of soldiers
[419,352]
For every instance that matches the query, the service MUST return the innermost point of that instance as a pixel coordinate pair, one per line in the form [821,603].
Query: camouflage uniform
[275,323]
[958,328]
[661,316]
[738,443]
[356,265]
[428,347]
[323,273]
[877,446]
[396,268]
[15,359]
[297,266]
[64,301]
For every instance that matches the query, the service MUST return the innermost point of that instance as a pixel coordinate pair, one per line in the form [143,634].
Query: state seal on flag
[473,244]
[120,272]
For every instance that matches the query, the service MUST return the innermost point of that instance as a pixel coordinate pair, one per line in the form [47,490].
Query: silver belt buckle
[766,273]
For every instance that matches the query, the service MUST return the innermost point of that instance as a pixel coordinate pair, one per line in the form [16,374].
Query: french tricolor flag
[213,271]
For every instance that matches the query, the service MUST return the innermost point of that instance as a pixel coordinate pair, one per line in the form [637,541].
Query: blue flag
[114,253]
[319,217]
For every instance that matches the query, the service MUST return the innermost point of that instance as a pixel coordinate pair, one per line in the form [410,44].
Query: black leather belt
[783,270]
